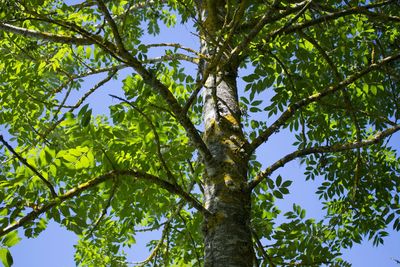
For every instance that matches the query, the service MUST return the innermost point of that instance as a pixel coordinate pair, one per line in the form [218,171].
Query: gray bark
[227,233]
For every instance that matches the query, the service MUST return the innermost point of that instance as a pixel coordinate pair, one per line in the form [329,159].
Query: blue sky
[54,247]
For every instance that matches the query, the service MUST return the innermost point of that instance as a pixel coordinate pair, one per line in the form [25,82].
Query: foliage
[328,72]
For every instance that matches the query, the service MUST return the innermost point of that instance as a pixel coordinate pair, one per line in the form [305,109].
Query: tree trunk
[227,233]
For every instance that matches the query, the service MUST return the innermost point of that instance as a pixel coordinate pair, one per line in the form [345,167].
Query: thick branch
[98,180]
[124,56]
[175,56]
[113,25]
[68,195]
[321,149]
[45,35]
[150,79]
[364,10]
[35,171]
[177,46]
[286,115]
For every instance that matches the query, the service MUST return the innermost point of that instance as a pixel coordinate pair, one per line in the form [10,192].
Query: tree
[177,152]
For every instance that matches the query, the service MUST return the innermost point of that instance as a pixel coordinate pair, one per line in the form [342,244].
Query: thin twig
[23,161]
[104,211]
[193,242]
[154,252]
[261,249]
[170,176]
[349,106]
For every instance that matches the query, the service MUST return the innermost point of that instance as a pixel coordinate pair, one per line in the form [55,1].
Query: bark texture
[226,195]
[227,232]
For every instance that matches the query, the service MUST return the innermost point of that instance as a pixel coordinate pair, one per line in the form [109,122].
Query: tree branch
[121,54]
[170,176]
[105,208]
[110,75]
[78,103]
[35,171]
[264,20]
[348,104]
[45,35]
[261,249]
[89,73]
[193,242]
[131,7]
[329,17]
[150,79]
[290,111]
[68,195]
[321,149]
[96,181]
[175,56]
[178,46]
[46,132]
[88,37]
[113,25]
[363,112]
[163,235]
[364,10]
[156,249]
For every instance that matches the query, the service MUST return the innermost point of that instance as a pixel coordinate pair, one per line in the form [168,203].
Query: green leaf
[11,239]
[278,181]
[284,190]
[5,257]
[389,219]
[68,157]
[287,183]
[303,214]
[270,182]
[278,194]
[250,78]
[366,88]
[373,89]
[86,118]
[254,124]
[254,109]
[256,103]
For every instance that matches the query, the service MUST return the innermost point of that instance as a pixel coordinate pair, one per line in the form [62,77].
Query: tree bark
[227,232]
